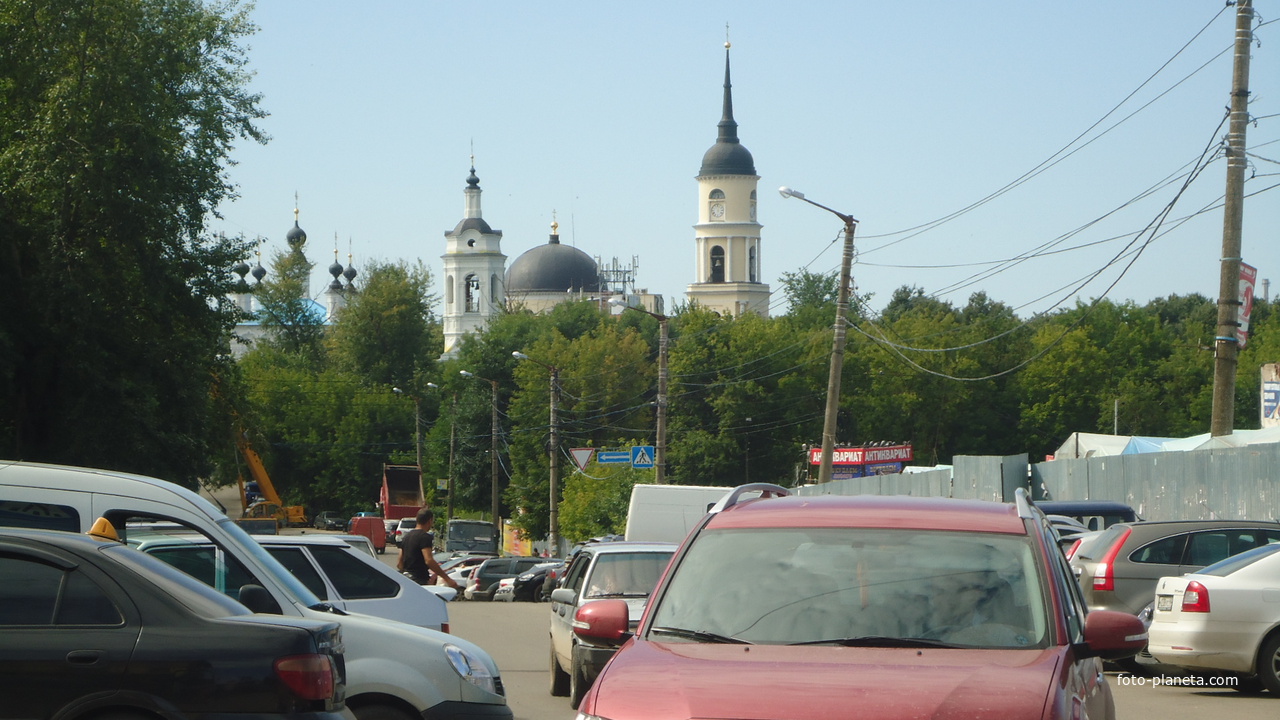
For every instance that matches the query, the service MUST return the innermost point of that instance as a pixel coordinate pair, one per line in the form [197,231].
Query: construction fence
[1215,484]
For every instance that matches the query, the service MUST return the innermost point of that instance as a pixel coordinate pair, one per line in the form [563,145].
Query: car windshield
[855,586]
[626,574]
[1242,560]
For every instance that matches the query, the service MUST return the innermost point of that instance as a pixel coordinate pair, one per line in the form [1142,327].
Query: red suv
[786,606]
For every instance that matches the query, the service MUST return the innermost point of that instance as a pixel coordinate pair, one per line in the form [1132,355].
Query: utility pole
[1226,344]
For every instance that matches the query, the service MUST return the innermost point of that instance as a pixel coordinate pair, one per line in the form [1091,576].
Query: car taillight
[310,677]
[1071,551]
[1104,574]
[1195,598]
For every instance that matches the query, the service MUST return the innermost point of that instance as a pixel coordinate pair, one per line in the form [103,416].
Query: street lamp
[553,515]
[493,446]
[660,449]
[417,423]
[837,343]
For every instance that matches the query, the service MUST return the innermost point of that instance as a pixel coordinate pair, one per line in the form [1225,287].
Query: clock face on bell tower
[717,210]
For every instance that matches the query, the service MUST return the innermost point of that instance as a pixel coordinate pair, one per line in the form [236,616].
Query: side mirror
[603,622]
[1112,635]
[257,599]
[564,595]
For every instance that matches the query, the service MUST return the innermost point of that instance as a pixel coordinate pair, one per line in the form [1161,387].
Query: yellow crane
[270,505]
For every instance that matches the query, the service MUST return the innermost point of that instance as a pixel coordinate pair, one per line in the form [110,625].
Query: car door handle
[84,657]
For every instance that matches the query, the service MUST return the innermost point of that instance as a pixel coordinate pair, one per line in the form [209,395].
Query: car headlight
[525,577]
[470,668]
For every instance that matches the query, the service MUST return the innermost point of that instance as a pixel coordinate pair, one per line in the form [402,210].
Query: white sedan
[1225,617]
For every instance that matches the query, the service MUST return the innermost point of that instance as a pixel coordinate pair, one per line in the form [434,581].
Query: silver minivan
[394,671]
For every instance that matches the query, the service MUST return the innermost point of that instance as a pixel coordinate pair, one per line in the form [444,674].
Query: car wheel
[380,712]
[559,678]
[577,683]
[381,550]
[1269,664]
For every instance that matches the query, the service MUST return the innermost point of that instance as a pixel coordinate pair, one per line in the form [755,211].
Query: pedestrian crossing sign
[642,456]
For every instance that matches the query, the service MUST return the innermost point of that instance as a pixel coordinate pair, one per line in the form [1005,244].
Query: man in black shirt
[417,558]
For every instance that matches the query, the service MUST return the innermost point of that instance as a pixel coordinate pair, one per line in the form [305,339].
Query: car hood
[758,682]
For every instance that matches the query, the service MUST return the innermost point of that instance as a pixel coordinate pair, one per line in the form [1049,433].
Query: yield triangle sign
[582,456]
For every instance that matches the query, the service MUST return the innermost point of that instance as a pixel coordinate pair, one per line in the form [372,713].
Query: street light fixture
[417,423]
[553,514]
[837,343]
[660,445]
[493,446]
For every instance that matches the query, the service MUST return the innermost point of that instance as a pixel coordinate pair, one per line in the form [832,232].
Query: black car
[487,574]
[527,587]
[94,628]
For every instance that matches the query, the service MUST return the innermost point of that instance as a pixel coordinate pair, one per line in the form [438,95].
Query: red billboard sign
[863,456]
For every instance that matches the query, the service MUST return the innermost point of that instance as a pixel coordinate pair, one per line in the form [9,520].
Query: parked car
[392,668]
[403,526]
[337,573]
[1093,514]
[1224,618]
[94,628]
[527,586]
[459,568]
[483,581]
[1120,570]
[389,524]
[359,542]
[330,520]
[503,593]
[782,607]
[623,570]
[372,528]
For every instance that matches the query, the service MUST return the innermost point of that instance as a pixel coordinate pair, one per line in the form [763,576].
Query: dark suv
[1119,570]
[826,606]
[484,579]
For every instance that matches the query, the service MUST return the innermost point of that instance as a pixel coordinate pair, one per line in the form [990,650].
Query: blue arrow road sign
[613,457]
[642,456]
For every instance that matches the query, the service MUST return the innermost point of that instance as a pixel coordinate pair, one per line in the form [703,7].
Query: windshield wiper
[700,635]
[880,641]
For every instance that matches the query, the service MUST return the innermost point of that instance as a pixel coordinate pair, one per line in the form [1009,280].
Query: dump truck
[401,495]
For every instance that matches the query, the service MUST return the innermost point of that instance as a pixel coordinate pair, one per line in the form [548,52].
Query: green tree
[387,334]
[595,500]
[116,121]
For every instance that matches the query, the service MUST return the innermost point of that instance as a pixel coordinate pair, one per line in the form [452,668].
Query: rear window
[1238,562]
[1099,547]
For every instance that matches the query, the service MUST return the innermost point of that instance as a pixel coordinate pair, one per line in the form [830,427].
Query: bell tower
[727,271]
[474,268]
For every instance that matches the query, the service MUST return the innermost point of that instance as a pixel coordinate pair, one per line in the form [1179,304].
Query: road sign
[582,456]
[642,456]
[613,457]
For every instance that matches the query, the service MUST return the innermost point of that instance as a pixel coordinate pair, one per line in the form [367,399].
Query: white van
[394,671]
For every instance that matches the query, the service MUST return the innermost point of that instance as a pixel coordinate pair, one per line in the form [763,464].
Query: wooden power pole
[1226,344]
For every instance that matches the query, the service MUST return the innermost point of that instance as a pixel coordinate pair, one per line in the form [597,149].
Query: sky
[1057,129]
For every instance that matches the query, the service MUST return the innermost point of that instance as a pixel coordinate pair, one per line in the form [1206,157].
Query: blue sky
[898,114]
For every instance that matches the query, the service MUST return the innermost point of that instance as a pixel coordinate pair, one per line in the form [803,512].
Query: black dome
[728,158]
[553,268]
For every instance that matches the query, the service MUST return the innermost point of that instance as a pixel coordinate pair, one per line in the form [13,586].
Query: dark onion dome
[727,156]
[259,272]
[297,237]
[350,272]
[335,269]
[553,268]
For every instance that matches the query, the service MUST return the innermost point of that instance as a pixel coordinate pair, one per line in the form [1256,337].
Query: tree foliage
[116,120]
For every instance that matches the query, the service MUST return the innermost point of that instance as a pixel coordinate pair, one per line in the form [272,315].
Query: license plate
[1164,603]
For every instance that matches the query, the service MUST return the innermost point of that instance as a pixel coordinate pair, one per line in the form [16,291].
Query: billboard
[1270,395]
[863,455]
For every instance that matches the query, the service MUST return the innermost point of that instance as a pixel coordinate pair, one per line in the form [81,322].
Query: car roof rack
[766,490]
[1023,501]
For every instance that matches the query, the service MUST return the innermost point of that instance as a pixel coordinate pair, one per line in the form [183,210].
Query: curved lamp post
[837,343]
[553,452]
[493,446]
